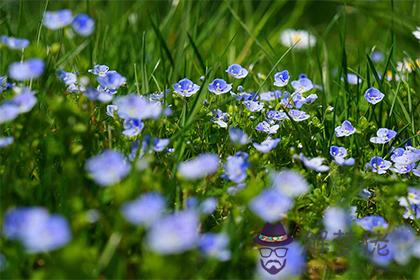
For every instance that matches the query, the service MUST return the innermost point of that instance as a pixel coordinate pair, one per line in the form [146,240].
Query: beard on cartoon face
[273,259]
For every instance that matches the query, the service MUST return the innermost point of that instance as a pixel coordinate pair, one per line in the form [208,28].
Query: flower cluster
[82,24]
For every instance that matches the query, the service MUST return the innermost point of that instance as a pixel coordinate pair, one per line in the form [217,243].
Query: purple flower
[215,246]
[83,24]
[289,182]
[353,79]
[402,240]
[8,112]
[267,128]
[26,70]
[302,85]
[271,205]
[236,167]
[111,80]
[373,95]
[270,95]
[160,144]
[298,116]
[339,154]
[335,220]
[14,43]
[24,101]
[378,165]
[134,106]
[253,106]
[208,206]
[132,127]
[237,71]
[408,156]
[57,19]
[6,141]
[345,129]
[238,136]
[219,86]
[108,168]
[144,210]
[68,78]
[267,145]
[281,79]
[99,70]
[201,166]
[315,164]
[186,88]
[220,118]
[377,56]
[372,223]
[175,233]
[276,115]
[36,229]
[384,135]
[403,168]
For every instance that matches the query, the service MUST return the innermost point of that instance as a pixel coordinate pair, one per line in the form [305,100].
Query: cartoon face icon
[273,259]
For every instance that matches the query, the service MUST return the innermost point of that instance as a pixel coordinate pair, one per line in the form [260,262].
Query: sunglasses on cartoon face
[266,252]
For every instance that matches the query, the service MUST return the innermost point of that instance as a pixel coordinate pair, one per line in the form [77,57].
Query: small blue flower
[271,205]
[238,136]
[68,78]
[276,115]
[253,106]
[215,246]
[353,79]
[160,144]
[384,135]
[26,70]
[373,95]
[335,220]
[208,206]
[237,71]
[144,210]
[281,79]
[4,85]
[345,129]
[372,223]
[96,94]
[289,182]
[111,80]
[201,166]
[265,127]
[6,141]
[302,85]
[315,164]
[236,167]
[220,118]
[377,56]
[134,106]
[14,43]
[24,101]
[219,86]
[132,127]
[108,168]
[57,19]
[99,70]
[267,145]
[339,154]
[175,233]
[83,24]
[298,115]
[411,203]
[8,112]
[402,168]
[378,165]
[270,95]
[186,88]
[402,240]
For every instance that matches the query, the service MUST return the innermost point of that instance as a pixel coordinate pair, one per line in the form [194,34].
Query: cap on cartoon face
[272,242]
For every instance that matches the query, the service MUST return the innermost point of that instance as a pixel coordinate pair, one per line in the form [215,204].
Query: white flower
[416,33]
[301,39]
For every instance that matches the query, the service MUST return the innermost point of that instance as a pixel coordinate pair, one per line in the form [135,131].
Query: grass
[156,43]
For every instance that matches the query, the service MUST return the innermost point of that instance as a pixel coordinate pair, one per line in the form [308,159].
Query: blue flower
[175,233]
[201,166]
[208,206]
[234,189]
[271,205]
[134,106]
[160,144]
[402,240]
[236,167]
[14,43]
[215,246]
[378,165]
[108,168]
[132,127]
[267,145]
[98,94]
[144,210]
[237,71]
[270,95]
[315,164]
[289,182]
[264,126]
[57,19]
[36,229]
[253,106]
[219,86]
[345,129]
[24,101]
[281,79]
[4,85]
[298,116]
[335,220]
[276,115]
[186,88]
[111,80]
[339,154]
[220,118]
[99,70]
[238,136]
[402,168]
[68,78]
[26,70]
[6,141]
[373,95]
[372,223]
[83,24]
[302,85]
[8,112]
[384,135]
[353,79]
[377,56]
[407,156]
[411,202]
